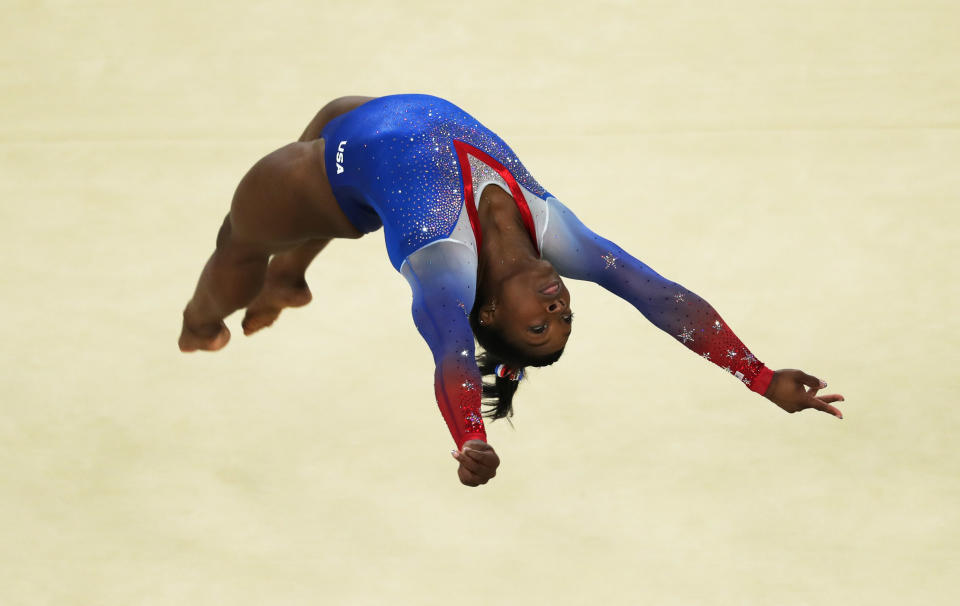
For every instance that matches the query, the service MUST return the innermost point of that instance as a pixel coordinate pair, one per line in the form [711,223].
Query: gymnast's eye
[569,319]
[538,330]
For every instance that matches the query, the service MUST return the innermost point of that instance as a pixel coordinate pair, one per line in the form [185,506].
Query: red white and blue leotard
[416,165]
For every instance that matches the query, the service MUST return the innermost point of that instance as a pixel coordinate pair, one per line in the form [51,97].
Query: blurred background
[793,162]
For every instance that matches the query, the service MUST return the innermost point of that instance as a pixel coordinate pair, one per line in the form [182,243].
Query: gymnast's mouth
[551,289]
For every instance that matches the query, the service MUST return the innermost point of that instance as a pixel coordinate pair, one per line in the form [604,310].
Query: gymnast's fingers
[469,464]
[468,478]
[485,458]
[812,382]
[823,406]
[830,398]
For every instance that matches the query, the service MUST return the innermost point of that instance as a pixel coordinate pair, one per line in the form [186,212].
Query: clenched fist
[478,462]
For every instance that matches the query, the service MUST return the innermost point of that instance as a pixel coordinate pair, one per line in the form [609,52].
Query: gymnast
[483,246]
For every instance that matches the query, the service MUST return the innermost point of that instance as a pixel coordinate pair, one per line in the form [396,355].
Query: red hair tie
[502,370]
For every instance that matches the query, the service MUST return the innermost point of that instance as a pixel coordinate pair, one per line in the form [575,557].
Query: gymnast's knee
[223,236]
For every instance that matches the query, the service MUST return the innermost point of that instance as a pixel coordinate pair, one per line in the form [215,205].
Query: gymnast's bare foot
[279,291]
[208,338]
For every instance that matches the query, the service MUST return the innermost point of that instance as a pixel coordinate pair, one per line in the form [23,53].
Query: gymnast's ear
[487,314]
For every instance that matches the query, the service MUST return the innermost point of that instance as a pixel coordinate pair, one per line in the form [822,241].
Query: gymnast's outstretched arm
[579,253]
[443,279]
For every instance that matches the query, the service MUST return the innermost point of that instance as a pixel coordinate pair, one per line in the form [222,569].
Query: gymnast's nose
[556,305]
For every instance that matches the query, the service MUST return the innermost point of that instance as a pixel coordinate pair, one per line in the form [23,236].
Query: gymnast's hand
[478,462]
[787,391]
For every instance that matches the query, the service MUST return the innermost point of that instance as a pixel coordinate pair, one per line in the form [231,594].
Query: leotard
[416,165]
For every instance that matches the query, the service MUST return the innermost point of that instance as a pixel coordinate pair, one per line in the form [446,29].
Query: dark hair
[498,392]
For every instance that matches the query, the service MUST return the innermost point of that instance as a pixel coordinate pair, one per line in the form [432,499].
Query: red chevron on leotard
[464,150]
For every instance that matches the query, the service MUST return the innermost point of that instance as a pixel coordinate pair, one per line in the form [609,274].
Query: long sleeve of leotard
[443,278]
[579,253]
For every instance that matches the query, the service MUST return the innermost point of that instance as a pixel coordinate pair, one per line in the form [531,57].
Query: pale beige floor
[793,162]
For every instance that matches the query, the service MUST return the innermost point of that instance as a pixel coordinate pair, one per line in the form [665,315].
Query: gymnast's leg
[231,278]
[283,207]
[280,204]
[285,285]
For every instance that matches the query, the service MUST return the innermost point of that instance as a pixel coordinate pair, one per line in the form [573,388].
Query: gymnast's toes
[191,340]
[255,319]
[265,309]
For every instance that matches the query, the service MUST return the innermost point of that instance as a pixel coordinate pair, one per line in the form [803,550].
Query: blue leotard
[398,167]
[416,165]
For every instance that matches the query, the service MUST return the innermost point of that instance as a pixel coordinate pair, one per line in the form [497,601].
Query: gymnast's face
[533,311]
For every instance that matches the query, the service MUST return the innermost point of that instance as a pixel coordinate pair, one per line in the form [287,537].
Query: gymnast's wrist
[762,382]
[482,436]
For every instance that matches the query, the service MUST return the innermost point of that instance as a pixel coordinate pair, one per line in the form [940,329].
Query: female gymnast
[482,244]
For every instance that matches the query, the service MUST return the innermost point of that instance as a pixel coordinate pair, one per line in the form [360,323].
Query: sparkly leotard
[416,165]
